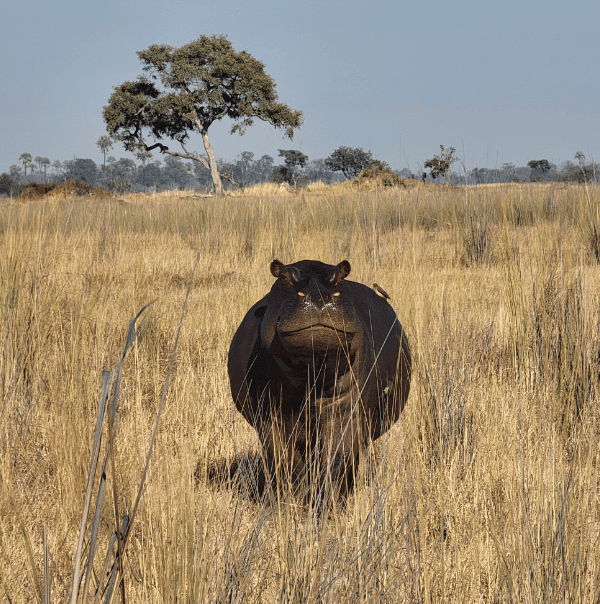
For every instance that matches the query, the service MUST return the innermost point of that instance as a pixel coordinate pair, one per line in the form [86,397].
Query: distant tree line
[125,175]
[536,170]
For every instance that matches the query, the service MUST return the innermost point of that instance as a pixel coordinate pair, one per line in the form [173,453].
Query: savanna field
[486,490]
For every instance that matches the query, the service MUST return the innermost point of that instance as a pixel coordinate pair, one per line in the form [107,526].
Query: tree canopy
[25,159]
[293,160]
[81,169]
[580,157]
[8,185]
[186,90]
[539,165]
[350,161]
[440,164]
[539,168]
[105,143]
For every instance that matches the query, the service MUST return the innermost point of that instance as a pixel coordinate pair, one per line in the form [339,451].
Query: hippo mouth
[318,327]
[316,338]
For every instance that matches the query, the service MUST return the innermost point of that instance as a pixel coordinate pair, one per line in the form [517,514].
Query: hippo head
[308,312]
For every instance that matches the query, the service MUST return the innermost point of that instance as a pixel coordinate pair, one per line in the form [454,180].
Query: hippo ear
[344,267]
[276,268]
[342,270]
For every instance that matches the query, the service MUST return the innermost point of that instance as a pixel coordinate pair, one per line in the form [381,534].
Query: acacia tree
[186,90]
[539,167]
[350,161]
[293,160]
[440,164]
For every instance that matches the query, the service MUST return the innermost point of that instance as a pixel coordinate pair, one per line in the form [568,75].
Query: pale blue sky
[501,81]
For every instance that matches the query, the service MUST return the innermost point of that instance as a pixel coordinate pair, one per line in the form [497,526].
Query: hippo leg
[340,439]
[285,447]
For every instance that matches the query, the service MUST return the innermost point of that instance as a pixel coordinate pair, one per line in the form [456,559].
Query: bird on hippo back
[319,367]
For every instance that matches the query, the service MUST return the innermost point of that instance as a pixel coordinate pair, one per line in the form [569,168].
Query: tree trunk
[214,172]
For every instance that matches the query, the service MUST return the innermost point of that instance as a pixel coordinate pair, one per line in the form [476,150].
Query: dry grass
[486,490]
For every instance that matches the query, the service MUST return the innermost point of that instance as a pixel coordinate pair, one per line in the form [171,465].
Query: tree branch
[163,148]
[194,156]
[229,177]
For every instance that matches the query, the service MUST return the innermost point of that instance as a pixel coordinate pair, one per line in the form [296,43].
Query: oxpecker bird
[381,292]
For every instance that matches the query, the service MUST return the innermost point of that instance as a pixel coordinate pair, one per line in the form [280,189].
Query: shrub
[9,186]
[77,188]
[382,174]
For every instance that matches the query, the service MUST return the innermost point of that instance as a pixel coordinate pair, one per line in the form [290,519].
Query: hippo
[320,367]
